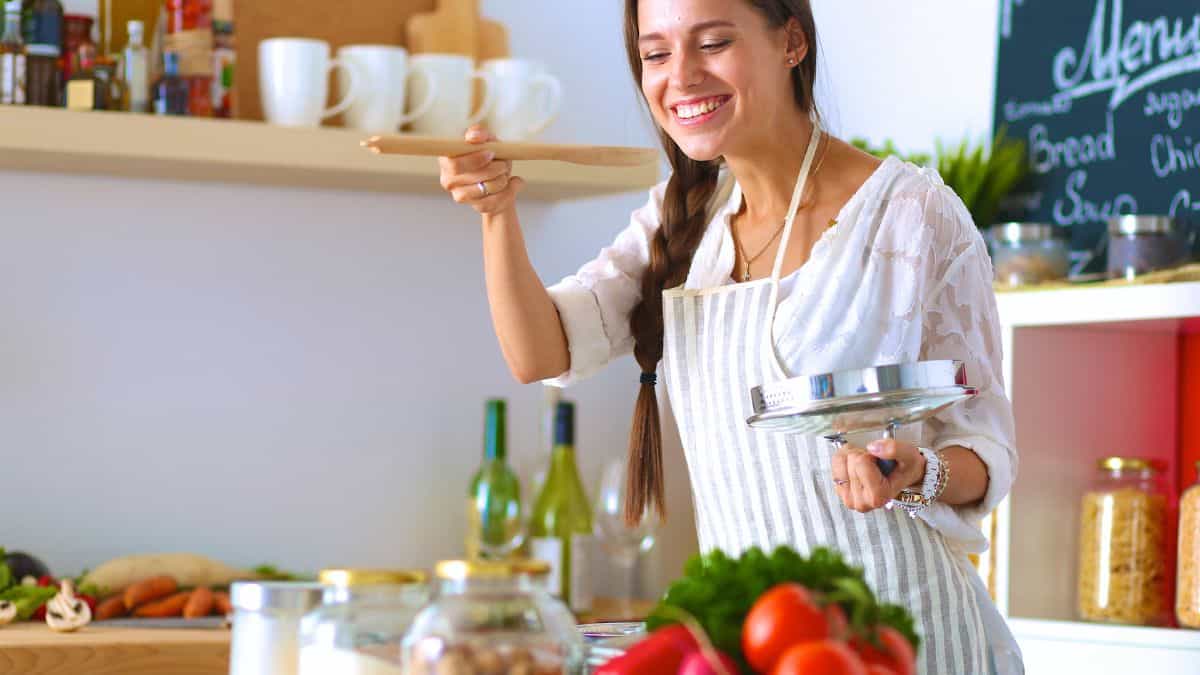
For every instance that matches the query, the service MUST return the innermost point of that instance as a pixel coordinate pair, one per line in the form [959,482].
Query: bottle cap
[564,423]
[135,27]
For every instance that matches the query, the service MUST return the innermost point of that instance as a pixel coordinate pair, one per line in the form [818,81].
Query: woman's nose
[687,72]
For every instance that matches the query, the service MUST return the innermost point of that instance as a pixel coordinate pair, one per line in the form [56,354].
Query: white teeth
[690,111]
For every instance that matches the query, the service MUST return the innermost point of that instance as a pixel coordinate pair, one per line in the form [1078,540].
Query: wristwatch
[937,473]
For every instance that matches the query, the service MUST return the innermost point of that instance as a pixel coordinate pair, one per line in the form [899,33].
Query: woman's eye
[715,46]
[654,57]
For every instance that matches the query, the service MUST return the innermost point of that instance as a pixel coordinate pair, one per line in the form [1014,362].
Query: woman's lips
[699,111]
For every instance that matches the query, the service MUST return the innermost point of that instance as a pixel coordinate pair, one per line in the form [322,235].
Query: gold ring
[483,191]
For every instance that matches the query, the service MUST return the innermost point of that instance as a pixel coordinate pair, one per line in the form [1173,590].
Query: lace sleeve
[595,303]
[960,322]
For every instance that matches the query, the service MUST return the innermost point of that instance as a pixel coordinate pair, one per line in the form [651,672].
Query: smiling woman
[775,249]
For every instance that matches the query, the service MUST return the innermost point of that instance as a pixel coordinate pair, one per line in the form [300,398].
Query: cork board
[348,22]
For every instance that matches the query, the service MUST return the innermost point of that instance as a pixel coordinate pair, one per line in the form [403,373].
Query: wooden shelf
[179,148]
[33,649]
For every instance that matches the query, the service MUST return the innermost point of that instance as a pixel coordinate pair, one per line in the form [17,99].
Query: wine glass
[623,543]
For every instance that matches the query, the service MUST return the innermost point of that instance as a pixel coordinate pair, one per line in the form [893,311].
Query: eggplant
[24,565]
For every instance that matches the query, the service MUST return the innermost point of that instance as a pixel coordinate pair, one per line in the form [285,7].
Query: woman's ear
[797,42]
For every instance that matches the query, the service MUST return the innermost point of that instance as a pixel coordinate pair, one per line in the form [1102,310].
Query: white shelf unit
[1091,372]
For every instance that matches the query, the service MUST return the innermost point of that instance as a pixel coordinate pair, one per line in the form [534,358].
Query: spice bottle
[12,57]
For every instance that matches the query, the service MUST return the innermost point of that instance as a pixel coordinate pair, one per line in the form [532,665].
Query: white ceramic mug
[384,76]
[293,81]
[453,76]
[527,98]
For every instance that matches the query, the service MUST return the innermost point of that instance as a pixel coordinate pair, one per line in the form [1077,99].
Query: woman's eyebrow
[717,23]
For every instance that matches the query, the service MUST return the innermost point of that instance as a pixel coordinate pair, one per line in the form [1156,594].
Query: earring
[791,61]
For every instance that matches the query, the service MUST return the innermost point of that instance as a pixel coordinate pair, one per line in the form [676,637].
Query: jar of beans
[1187,588]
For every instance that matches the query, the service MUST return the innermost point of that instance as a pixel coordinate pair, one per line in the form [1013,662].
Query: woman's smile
[695,112]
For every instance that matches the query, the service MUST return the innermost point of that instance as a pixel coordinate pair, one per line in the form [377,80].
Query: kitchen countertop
[33,649]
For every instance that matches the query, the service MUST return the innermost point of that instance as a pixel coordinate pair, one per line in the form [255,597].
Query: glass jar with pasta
[1122,545]
[1187,588]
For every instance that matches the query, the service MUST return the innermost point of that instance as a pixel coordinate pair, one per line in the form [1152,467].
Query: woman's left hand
[860,483]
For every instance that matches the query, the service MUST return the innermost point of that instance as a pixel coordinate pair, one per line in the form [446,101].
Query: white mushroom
[8,612]
[65,612]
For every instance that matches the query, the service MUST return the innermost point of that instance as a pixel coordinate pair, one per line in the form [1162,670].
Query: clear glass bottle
[12,56]
[1187,587]
[135,69]
[560,529]
[1122,545]
[493,617]
[171,92]
[362,621]
[494,516]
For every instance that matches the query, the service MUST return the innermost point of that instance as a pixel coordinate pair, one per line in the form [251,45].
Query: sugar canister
[1138,245]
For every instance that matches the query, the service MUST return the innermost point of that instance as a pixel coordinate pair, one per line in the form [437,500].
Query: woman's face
[714,73]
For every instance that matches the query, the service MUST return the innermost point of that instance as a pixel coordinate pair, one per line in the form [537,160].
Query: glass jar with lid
[362,620]
[1028,253]
[1138,245]
[1122,545]
[1187,587]
[493,617]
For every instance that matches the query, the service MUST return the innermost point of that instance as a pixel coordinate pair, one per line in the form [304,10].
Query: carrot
[111,608]
[221,603]
[172,605]
[199,604]
[149,590]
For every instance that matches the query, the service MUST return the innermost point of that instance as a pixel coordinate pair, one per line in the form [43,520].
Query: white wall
[297,376]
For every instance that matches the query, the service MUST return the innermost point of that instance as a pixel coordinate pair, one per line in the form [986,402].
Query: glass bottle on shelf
[494,515]
[43,47]
[134,69]
[171,93]
[1122,545]
[77,32]
[12,56]
[1187,587]
[560,530]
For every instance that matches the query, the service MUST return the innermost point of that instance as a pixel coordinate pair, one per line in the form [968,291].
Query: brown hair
[684,216]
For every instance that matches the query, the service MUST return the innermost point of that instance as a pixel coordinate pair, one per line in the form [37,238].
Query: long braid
[684,219]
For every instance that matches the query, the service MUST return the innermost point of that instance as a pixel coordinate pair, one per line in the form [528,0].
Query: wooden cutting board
[34,649]
[456,28]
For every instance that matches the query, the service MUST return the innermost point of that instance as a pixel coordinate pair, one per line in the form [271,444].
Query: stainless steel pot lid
[867,399]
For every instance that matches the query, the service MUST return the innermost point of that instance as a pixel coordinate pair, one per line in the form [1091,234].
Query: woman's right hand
[478,179]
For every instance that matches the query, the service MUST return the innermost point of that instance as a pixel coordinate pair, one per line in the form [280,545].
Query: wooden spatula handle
[594,155]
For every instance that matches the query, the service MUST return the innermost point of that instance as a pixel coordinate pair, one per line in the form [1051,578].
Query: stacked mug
[382,88]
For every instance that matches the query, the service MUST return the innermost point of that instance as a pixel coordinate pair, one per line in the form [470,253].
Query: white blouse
[904,276]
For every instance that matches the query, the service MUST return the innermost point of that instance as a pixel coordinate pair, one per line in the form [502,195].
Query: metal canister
[1141,244]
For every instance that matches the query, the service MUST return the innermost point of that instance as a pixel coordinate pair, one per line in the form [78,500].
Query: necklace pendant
[746,274]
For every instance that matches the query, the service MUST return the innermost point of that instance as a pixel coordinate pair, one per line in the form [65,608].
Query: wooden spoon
[592,155]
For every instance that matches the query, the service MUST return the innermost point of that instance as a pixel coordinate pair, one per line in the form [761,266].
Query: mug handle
[348,68]
[431,93]
[553,88]
[486,106]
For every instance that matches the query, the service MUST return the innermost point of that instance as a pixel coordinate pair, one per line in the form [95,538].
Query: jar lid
[372,577]
[1127,463]
[1135,225]
[1016,233]
[256,596]
[490,569]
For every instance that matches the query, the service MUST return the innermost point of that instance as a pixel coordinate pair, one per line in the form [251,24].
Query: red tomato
[897,653]
[839,627]
[826,657]
[782,617]
[877,669]
[91,602]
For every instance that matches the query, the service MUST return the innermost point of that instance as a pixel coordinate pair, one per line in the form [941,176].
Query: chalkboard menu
[1106,93]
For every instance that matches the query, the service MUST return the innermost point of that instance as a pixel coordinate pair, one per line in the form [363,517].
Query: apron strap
[801,181]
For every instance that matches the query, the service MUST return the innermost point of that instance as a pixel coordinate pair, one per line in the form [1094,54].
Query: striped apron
[766,489]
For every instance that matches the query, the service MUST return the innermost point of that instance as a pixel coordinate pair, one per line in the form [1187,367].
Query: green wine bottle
[560,529]
[494,527]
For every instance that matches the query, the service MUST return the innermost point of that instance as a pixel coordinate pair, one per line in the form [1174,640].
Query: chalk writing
[1081,210]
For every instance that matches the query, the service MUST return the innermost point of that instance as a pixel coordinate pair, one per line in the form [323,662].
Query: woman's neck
[767,173]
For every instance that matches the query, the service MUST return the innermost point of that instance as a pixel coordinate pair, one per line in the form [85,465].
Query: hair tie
[650,378]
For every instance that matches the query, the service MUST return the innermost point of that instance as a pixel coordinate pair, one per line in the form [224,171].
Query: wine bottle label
[81,94]
[576,589]
[581,579]
[550,549]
